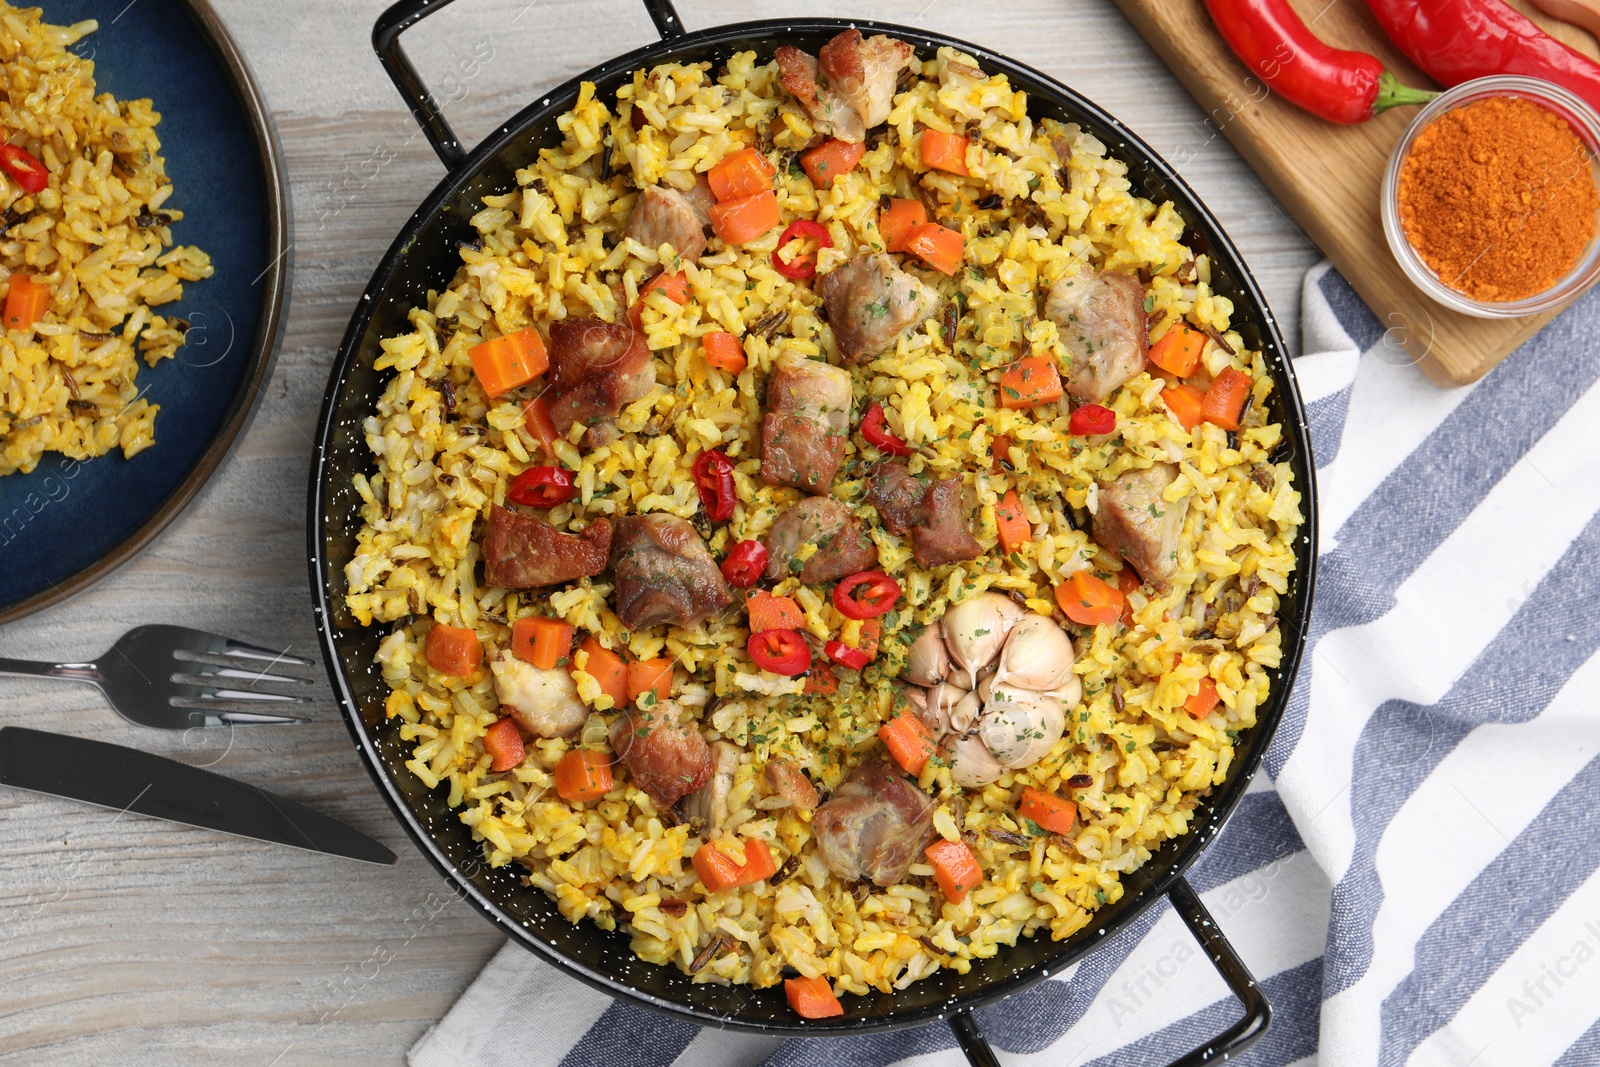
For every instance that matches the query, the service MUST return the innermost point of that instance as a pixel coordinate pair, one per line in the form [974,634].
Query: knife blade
[126,779]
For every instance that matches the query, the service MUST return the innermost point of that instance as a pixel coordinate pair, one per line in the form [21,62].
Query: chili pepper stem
[1392,93]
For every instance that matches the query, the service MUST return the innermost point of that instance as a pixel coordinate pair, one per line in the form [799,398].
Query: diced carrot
[583,775]
[718,870]
[812,998]
[650,681]
[724,352]
[909,741]
[830,159]
[821,681]
[503,742]
[505,362]
[1186,403]
[742,173]
[1127,582]
[546,643]
[536,417]
[938,246]
[1029,381]
[1013,524]
[25,302]
[871,634]
[1201,703]
[1000,453]
[897,221]
[1088,601]
[955,868]
[1178,351]
[1048,810]
[945,151]
[768,612]
[745,219]
[453,650]
[1225,399]
[607,668]
[674,284]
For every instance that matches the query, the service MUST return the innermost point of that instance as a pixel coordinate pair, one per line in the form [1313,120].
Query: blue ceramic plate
[67,524]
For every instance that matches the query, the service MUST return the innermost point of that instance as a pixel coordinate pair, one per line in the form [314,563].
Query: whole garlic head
[928,662]
[1037,655]
[975,630]
[1020,727]
[972,765]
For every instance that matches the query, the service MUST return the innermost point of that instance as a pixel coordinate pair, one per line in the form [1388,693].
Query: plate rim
[246,399]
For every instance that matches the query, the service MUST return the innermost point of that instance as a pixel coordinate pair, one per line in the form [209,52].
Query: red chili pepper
[1091,420]
[713,476]
[881,594]
[805,267]
[541,487]
[1333,83]
[873,428]
[744,564]
[24,168]
[780,651]
[845,656]
[1458,40]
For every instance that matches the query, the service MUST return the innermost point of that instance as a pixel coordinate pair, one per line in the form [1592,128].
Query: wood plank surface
[1330,177]
[133,941]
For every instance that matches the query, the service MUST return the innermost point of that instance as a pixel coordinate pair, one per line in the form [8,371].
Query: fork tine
[244,718]
[207,693]
[244,650]
[195,669]
[254,718]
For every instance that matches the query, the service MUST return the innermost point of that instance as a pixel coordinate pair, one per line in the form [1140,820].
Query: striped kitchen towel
[1418,883]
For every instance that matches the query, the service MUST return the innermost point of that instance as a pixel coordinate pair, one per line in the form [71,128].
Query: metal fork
[175,678]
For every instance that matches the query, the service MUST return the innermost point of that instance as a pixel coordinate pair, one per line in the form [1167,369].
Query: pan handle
[1238,1037]
[424,105]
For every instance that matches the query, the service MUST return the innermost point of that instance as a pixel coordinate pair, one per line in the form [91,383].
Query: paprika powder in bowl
[1490,201]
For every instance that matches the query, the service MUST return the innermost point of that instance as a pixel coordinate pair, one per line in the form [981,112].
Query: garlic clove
[928,663]
[975,629]
[972,765]
[1020,727]
[1068,692]
[956,707]
[1037,655]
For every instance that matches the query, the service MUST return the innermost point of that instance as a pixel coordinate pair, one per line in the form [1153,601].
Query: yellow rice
[99,237]
[544,256]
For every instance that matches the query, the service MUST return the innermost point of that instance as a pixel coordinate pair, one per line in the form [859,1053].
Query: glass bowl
[1584,122]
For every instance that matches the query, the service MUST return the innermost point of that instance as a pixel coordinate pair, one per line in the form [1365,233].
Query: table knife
[126,779]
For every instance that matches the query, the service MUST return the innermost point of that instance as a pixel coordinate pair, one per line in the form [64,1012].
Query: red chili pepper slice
[845,656]
[874,429]
[745,563]
[804,267]
[880,595]
[780,651]
[24,168]
[541,487]
[1091,420]
[713,476]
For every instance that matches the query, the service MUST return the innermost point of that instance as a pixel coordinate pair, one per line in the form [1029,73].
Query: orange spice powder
[1498,198]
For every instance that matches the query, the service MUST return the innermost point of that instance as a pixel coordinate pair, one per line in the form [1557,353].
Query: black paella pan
[424,256]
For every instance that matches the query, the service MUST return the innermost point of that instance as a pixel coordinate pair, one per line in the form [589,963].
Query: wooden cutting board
[1330,177]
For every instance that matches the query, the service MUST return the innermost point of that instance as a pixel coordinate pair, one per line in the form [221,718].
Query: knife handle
[27,668]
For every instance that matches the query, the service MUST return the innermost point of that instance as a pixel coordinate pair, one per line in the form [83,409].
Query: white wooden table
[126,940]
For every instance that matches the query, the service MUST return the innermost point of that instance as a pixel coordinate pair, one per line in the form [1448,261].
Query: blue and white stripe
[1420,882]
